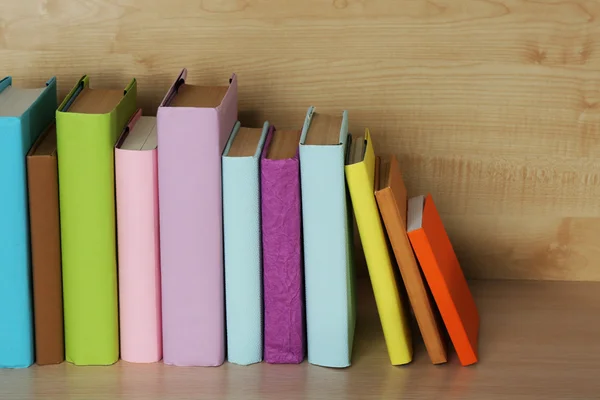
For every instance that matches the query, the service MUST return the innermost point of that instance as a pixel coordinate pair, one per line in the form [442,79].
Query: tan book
[392,201]
[42,179]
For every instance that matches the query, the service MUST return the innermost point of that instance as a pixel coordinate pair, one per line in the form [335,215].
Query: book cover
[243,250]
[44,222]
[285,338]
[88,123]
[360,174]
[24,114]
[194,123]
[444,276]
[327,240]
[392,201]
[136,184]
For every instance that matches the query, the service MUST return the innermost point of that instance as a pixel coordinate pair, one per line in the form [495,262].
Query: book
[24,114]
[392,201]
[138,249]
[242,244]
[194,124]
[44,223]
[360,174]
[444,276]
[327,236]
[88,123]
[285,338]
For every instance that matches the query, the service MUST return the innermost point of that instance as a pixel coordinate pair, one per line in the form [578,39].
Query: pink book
[138,241]
[194,123]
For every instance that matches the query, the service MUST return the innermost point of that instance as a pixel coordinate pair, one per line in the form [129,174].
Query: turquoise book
[24,114]
[327,236]
[242,244]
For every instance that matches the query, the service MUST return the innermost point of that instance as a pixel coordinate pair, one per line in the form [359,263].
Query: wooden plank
[529,332]
[492,106]
[539,246]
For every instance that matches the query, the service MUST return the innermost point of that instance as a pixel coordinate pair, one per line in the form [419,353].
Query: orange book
[444,276]
[392,201]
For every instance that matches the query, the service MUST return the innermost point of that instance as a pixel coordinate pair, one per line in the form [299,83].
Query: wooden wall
[492,106]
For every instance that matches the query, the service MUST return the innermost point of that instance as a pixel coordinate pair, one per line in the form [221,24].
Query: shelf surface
[538,340]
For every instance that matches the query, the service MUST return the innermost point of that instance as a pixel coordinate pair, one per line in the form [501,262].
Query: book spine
[328,263]
[16,319]
[391,202]
[189,176]
[285,340]
[87,217]
[136,179]
[46,261]
[243,266]
[360,178]
[16,334]
[191,142]
[447,282]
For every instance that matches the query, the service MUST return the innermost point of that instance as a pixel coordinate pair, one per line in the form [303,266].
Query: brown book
[392,201]
[42,176]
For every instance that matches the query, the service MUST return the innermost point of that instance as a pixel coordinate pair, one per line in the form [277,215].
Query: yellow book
[360,175]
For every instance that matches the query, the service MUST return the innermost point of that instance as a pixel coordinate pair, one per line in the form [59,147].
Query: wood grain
[539,340]
[492,106]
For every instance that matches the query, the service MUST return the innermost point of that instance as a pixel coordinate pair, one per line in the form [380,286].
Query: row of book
[189,238]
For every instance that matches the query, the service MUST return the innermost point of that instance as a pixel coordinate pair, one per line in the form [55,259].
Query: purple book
[284,333]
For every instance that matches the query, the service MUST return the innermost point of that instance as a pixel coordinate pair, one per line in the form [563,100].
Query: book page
[245,142]
[142,136]
[284,144]
[415,213]
[15,101]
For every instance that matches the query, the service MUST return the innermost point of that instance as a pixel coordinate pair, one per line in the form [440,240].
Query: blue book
[242,243]
[24,114]
[327,236]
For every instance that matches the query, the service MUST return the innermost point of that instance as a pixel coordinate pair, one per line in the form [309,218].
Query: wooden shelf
[539,340]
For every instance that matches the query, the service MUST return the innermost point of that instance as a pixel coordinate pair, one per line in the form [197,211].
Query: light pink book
[194,123]
[136,181]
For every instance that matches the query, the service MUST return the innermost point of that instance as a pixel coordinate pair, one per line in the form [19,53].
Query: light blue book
[242,242]
[327,228]
[24,114]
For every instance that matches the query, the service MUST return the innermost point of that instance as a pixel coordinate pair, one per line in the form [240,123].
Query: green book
[88,123]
